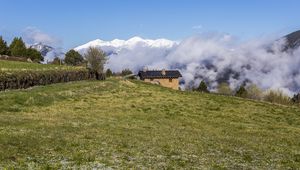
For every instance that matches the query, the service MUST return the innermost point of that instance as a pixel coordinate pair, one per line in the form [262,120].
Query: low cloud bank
[219,58]
[33,35]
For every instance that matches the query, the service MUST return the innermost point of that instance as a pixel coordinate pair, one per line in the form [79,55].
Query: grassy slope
[131,124]
[19,66]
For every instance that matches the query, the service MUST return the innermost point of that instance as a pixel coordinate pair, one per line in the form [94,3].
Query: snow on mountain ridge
[48,52]
[130,43]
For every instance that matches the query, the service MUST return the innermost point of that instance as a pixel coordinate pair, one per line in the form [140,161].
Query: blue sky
[73,23]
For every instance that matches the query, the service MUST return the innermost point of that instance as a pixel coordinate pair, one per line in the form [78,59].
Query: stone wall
[11,58]
[170,83]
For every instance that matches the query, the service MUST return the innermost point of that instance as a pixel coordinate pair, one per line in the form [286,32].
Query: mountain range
[114,46]
[42,48]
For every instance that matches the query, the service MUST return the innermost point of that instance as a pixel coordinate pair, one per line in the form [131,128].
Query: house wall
[165,83]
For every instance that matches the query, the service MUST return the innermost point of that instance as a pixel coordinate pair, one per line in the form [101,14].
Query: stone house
[165,78]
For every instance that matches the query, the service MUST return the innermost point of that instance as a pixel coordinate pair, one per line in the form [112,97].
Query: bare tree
[254,92]
[96,60]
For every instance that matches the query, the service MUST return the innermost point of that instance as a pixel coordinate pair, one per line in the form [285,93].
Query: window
[170,80]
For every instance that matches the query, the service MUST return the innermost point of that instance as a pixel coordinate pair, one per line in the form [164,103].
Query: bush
[26,79]
[277,96]
[224,89]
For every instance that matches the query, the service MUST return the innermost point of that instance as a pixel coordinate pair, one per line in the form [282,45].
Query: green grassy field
[20,66]
[129,124]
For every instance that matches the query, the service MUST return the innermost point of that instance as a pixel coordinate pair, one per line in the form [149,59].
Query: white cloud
[217,58]
[34,35]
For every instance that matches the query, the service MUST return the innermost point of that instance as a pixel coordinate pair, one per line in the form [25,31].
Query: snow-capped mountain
[43,49]
[48,52]
[134,53]
[114,46]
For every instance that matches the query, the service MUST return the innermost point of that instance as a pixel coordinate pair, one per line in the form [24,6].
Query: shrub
[224,89]
[276,96]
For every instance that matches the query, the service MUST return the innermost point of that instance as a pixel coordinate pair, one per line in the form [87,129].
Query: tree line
[17,48]
[251,91]
[124,72]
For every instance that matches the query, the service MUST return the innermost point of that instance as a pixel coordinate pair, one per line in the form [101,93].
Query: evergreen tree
[34,55]
[202,87]
[17,48]
[73,58]
[242,92]
[109,73]
[3,47]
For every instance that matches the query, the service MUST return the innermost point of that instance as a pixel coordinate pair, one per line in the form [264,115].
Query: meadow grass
[130,124]
[6,65]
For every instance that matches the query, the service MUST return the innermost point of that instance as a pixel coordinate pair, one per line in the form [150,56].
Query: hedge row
[26,79]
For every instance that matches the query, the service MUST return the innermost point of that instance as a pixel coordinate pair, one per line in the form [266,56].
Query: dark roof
[159,74]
